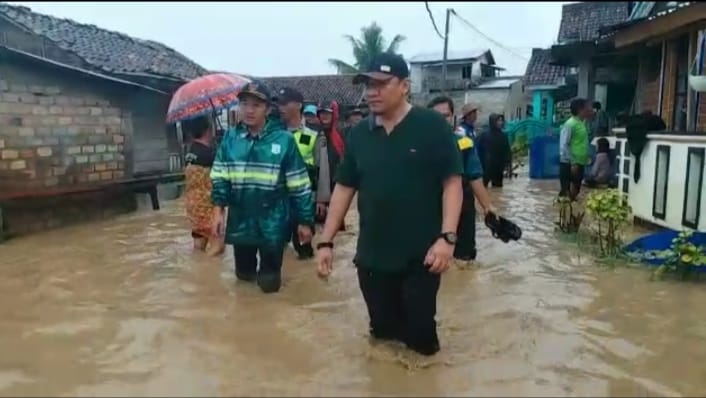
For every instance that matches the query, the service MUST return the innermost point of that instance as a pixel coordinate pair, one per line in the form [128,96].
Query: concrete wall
[641,194]
[490,100]
[518,97]
[39,214]
[151,142]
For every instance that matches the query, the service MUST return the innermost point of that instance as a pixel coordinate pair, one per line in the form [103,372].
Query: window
[466,72]
[692,187]
[679,110]
[659,198]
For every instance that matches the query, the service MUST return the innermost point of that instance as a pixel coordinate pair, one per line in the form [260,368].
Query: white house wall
[641,194]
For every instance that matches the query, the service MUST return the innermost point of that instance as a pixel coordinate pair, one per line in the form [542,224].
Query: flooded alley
[124,307]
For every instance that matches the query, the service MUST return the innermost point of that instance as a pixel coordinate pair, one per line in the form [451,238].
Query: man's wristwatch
[449,237]
[321,245]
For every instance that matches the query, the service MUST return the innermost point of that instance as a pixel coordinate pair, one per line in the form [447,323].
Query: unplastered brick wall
[55,131]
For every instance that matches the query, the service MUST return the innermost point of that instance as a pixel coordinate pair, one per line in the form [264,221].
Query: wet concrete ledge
[24,213]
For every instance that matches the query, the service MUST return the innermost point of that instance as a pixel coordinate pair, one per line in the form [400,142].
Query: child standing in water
[199,161]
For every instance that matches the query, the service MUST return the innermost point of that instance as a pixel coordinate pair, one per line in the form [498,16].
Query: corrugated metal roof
[641,10]
[501,82]
[451,56]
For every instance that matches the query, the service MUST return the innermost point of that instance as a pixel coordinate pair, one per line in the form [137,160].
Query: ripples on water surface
[125,308]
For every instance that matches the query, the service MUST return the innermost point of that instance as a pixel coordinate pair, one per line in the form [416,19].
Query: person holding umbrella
[195,105]
[259,175]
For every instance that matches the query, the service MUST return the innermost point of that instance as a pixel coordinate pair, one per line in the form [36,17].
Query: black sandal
[502,228]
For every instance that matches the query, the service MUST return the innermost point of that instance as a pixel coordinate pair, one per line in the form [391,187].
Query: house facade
[668,41]
[504,95]
[471,76]
[82,115]
[463,70]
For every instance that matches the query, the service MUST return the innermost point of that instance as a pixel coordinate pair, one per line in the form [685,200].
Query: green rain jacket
[264,183]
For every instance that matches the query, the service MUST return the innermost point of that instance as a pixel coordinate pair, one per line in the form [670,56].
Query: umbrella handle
[219,127]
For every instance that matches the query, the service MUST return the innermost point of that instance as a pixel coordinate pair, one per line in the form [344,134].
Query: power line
[470,25]
[431,16]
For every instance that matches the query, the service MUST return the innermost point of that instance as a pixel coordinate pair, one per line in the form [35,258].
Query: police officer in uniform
[290,103]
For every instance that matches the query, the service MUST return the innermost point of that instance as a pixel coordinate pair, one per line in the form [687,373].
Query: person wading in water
[261,178]
[498,155]
[574,153]
[404,163]
[329,151]
[290,103]
[199,161]
[473,187]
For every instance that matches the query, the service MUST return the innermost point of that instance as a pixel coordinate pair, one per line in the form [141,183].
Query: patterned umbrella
[205,95]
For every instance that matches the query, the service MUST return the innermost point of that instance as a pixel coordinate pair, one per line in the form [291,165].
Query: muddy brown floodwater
[124,307]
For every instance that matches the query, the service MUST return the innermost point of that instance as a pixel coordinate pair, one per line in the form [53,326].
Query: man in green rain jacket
[259,175]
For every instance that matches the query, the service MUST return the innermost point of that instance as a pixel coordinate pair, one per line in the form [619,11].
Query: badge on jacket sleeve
[276,149]
[465,143]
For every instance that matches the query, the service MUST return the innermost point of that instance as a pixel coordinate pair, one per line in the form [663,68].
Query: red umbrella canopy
[204,95]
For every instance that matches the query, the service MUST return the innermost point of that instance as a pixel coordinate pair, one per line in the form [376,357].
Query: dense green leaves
[370,44]
[609,213]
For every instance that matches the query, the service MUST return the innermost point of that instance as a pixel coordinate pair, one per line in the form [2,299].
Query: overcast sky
[280,39]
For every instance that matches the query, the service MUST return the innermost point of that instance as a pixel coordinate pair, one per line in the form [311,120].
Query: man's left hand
[305,233]
[439,256]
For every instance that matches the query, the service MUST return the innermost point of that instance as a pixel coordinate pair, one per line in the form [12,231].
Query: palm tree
[365,48]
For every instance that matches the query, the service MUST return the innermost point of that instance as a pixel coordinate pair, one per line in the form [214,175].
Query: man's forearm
[481,193]
[338,207]
[452,201]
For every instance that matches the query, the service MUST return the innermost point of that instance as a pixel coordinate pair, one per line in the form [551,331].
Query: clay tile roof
[582,21]
[103,49]
[540,72]
[319,88]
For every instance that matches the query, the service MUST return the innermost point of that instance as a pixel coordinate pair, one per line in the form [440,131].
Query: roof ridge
[68,20]
[89,41]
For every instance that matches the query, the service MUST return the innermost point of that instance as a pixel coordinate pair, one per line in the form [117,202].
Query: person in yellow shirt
[291,104]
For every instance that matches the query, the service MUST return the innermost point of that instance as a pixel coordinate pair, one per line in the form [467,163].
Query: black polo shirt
[399,178]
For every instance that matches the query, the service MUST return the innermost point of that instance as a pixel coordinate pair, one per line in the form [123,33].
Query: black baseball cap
[288,94]
[256,89]
[384,67]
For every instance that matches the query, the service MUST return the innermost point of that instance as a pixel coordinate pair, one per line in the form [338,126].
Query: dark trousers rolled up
[465,249]
[402,306]
[269,274]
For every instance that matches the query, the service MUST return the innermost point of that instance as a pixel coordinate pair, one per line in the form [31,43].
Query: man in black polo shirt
[406,167]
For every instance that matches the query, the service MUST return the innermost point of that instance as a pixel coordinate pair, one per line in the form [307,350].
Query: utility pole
[446,49]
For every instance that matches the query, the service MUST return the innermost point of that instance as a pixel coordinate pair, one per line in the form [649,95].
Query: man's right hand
[218,223]
[324,262]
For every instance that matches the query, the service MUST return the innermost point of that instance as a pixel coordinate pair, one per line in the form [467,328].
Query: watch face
[451,237]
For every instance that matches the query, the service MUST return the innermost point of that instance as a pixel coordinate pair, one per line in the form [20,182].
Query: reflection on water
[125,308]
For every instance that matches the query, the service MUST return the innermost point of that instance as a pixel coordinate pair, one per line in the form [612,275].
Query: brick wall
[57,131]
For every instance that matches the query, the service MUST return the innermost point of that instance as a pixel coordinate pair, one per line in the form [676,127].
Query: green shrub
[609,214]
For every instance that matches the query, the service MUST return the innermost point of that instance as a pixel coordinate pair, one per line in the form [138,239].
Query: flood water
[124,307]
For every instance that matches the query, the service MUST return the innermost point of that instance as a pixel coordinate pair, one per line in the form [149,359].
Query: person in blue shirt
[473,187]
[469,114]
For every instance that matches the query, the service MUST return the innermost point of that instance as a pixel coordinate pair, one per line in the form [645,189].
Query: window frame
[702,153]
[668,153]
